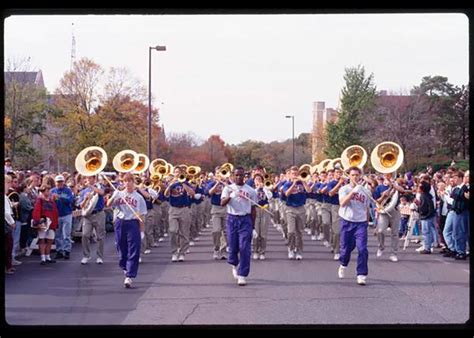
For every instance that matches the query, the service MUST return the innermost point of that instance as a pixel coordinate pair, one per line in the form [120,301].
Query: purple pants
[239,238]
[354,234]
[127,238]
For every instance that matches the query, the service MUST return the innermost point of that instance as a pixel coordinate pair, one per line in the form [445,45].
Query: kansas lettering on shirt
[356,209]
[134,199]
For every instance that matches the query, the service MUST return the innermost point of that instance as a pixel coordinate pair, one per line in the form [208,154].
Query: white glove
[142,235]
[254,234]
[197,196]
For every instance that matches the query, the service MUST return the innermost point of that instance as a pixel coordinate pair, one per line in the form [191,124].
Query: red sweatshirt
[46,208]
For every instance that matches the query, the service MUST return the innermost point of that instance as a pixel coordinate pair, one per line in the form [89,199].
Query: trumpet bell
[125,161]
[91,161]
[143,163]
[226,170]
[387,157]
[193,170]
[354,156]
[268,184]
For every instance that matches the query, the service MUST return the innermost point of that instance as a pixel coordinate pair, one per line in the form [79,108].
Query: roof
[33,78]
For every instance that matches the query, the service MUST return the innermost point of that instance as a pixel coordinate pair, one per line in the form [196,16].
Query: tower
[73,48]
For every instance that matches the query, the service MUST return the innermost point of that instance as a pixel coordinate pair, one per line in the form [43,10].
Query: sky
[239,75]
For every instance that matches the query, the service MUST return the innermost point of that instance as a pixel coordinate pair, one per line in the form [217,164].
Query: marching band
[147,201]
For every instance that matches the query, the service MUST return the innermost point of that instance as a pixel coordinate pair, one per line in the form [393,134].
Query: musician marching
[128,225]
[218,215]
[93,220]
[295,192]
[179,193]
[262,219]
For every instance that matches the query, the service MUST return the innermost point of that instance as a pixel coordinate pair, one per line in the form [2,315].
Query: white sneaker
[241,281]
[165,234]
[255,256]
[341,271]
[174,258]
[147,252]
[85,260]
[432,250]
[161,239]
[227,249]
[125,272]
[299,257]
[326,244]
[139,259]
[421,248]
[154,245]
[393,258]
[181,258]
[215,255]
[336,257]
[234,272]
[379,253]
[191,243]
[99,260]
[127,283]
[291,254]
[196,239]
[15,262]
[313,238]
[320,237]
[308,231]
[262,257]
[361,280]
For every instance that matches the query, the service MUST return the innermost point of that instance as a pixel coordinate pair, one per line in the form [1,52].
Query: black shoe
[444,250]
[50,261]
[449,253]
[460,257]
[43,263]
[59,255]
[425,252]
[66,255]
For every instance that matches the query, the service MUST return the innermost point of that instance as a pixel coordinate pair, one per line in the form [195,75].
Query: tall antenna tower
[73,48]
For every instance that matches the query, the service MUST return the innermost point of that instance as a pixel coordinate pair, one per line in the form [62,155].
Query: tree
[25,113]
[357,97]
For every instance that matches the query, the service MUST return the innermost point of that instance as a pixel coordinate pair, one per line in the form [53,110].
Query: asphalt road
[417,289]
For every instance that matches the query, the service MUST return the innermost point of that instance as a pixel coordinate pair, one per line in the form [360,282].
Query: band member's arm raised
[291,188]
[189,190]
[336,188]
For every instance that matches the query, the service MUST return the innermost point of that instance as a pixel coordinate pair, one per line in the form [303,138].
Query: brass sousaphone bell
[387,157]
[126,161]
[143,163]
[304,172]
[353,156]
[91,161]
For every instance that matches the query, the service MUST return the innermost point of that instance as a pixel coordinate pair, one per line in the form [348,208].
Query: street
[200,290]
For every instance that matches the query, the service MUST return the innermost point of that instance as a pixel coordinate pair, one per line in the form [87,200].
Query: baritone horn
[159,166]
[91,161]
[304,172]
[353,156]
[387,157]
[225,170]
[126,161]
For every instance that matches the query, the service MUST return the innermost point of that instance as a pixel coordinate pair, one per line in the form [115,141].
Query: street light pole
[293,134]
[158,48]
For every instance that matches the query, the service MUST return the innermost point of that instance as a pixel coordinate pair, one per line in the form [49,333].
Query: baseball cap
[59,178]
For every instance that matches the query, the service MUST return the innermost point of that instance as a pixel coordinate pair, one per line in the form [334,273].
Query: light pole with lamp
[293,127]
[158,48]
